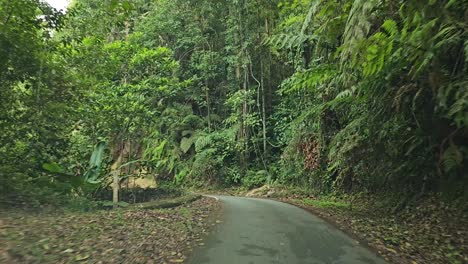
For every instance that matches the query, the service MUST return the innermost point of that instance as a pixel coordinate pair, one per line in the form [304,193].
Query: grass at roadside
[126,235]
[325,203]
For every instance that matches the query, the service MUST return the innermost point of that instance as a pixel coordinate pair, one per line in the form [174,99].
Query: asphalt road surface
[260,231]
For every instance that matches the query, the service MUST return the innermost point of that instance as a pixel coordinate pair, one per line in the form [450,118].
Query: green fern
[391,27]
[308,79]
[187,142]
[346,93]
[358,25]
[288,41]
[452,158]
[202,142]
[310,15]
[380,48]
[458,111]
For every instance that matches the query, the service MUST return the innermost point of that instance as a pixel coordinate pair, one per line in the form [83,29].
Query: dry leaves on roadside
[120,236]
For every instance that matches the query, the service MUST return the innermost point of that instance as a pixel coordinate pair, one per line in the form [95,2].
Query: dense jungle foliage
[338,96]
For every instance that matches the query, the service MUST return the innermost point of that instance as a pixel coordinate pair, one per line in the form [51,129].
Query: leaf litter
[130,235]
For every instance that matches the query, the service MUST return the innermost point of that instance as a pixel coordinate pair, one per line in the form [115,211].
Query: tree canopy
[339,96]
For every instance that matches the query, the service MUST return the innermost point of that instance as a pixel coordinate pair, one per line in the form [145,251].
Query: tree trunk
[245,111]
[262,87]
[207,95]
[115,170]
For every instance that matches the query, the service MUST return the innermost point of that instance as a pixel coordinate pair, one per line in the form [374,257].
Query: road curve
[260,231]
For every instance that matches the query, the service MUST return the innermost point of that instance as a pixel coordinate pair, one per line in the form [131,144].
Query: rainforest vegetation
[341,96]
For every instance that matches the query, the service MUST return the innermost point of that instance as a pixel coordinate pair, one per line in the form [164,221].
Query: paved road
[258,231]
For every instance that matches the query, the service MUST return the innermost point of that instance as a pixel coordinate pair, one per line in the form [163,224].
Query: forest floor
[423,231]
[126,235]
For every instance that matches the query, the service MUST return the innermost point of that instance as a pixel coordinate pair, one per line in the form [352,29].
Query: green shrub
[255,179]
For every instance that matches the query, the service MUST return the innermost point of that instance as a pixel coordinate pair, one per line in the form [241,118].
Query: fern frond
[202,142]
[308,79]
[310,14]
[347,139]
[288,41]
[452,158]
[465,46]
[346,93]
[391,27]
[458,110]
[358,25]
[187,142]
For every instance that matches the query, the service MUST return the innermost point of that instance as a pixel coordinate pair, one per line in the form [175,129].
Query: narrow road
[259,231]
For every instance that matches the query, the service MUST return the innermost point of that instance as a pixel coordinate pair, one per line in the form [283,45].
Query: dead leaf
[81,257]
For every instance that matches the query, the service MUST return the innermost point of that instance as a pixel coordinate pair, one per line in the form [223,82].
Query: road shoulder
[423,231]
[125,235]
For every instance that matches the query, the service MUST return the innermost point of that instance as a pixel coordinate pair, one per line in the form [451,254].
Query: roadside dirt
[131,235]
